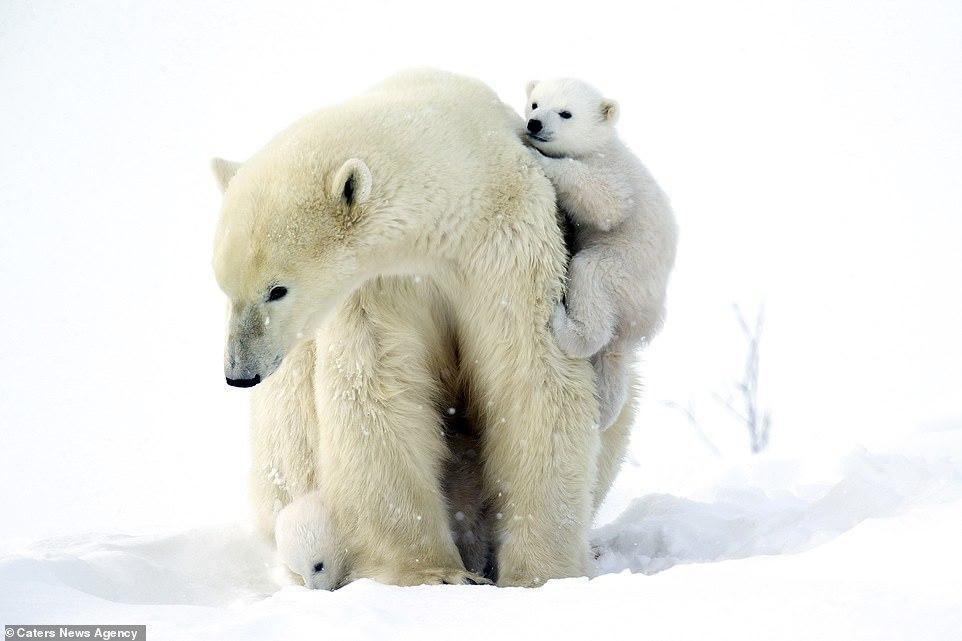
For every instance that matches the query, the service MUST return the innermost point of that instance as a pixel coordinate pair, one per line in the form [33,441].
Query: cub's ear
[353,182]
[223,170]
[609,111]
[531,86]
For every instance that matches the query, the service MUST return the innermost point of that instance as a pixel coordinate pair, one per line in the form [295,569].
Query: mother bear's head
[292,239]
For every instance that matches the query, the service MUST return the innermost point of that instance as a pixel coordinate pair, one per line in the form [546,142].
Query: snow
[869,552]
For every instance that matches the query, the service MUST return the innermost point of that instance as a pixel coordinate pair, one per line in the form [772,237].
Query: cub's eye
[565,114]
[534,105]
[276,293]
[318,567]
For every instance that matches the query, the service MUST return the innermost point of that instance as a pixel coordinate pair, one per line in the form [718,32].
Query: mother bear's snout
[244,382]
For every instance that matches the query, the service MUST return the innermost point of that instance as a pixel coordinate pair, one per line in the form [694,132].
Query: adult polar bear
[386,258]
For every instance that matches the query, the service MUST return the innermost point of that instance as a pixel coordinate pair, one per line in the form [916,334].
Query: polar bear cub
[624,233]
[309,544]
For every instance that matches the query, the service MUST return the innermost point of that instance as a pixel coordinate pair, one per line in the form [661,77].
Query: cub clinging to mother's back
[624,233]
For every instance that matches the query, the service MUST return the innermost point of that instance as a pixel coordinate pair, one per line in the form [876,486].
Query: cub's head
[289,244]
[568,117]
[307,546]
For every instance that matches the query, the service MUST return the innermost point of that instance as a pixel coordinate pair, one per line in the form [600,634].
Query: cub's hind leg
[587,322]
[612,376]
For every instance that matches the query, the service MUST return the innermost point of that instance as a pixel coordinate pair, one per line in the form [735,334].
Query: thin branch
[731,408]
[689,413]
[757,422]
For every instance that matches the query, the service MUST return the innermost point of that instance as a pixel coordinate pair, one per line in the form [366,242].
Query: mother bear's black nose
[244,382]
[534,126]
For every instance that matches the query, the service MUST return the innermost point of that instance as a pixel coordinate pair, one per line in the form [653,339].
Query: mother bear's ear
[352,182]
[223,170]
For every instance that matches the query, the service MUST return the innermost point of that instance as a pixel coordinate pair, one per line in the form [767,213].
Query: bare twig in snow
[749,413]
[689,413]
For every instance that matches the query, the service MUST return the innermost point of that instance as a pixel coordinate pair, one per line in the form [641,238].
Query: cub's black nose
[534,126]
[244,382]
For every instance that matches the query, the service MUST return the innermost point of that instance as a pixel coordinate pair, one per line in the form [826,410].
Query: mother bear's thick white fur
[430,289]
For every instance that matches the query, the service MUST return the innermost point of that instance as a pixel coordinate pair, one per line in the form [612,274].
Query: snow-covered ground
[869,550]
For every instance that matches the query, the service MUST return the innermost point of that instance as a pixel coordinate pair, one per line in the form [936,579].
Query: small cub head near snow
[568,117]
[306,544]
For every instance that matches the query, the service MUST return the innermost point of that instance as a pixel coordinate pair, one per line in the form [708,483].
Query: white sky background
[813,151]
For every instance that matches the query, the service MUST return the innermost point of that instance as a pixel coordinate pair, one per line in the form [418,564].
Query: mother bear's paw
[516,570]
[521,581]
[440,576]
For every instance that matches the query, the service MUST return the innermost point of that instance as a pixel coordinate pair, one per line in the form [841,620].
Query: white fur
[625,234]
[308,545]
[434,291]
[308,541]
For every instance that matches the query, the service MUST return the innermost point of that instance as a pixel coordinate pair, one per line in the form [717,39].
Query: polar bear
[625,233]
[387,258]
[309,545]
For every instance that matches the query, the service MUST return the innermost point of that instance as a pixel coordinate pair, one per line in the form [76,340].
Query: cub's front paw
[551,166]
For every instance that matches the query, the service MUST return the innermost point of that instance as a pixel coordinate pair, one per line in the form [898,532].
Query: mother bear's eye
[534,105]
[276,293]
[318,567]
[565,114]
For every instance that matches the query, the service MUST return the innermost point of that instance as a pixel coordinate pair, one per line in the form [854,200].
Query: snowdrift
[870,554]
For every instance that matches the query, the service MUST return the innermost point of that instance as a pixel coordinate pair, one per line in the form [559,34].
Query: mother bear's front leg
[540,442]
[381,446]
[535,407]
